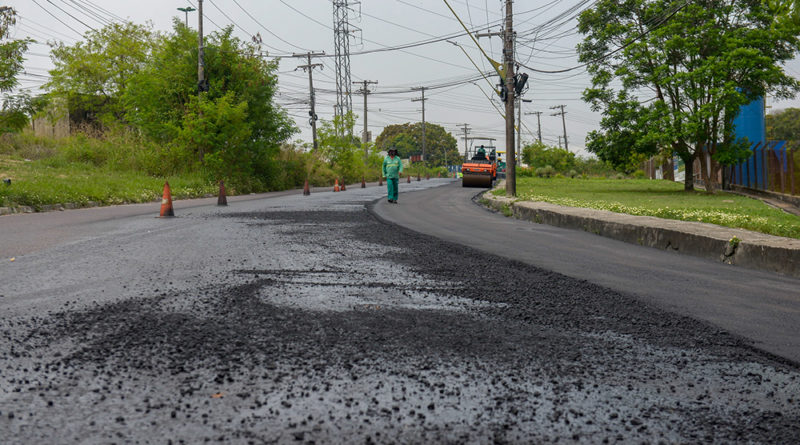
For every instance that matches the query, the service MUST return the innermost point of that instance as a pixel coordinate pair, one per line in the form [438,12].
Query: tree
[407,139]
[537,154]
[17,110]
[13,115]
[343,152]
[157,97]
[11,52]
[94,74]
[672,74]
[784,125]
[162,101]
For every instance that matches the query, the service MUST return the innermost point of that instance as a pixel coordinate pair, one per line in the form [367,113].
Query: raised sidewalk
[752,250]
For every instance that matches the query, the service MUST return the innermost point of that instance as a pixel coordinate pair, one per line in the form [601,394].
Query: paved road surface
[761,306]
[292,319]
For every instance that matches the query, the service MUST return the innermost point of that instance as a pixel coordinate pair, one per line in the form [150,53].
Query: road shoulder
[722,244]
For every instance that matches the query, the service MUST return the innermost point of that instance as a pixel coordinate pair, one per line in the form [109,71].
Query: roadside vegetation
[138,117]
[662,199]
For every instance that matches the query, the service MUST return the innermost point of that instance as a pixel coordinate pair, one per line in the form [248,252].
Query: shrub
[572,173]
[639,174]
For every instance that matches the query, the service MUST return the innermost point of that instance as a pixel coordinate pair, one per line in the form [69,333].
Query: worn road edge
[753,250]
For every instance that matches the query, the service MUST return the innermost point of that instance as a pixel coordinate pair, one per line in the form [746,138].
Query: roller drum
[476,181]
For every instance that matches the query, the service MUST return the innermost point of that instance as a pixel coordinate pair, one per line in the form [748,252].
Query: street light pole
[186,12]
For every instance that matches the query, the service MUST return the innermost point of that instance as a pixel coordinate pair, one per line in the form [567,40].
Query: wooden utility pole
[312,96]
[508,60]
[202,83]
[466,141]
[538,122]
[422,99]
[563,122]
[365,91]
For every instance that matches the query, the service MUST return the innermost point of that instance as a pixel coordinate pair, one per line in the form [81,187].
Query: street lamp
[186,11]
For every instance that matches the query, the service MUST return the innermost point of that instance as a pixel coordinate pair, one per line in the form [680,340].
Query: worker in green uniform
[392,167]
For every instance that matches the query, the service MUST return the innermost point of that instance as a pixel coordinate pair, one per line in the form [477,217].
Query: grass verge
[41,182]
[662,199]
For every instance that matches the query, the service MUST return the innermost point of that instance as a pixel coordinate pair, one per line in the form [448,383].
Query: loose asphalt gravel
[331,326]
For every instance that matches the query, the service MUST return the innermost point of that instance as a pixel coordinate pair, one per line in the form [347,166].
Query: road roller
[479,171]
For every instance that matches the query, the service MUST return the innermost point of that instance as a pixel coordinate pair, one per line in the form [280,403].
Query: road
[761,306]
[291,319]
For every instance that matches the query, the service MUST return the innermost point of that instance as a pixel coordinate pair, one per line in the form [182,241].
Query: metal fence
[772,167]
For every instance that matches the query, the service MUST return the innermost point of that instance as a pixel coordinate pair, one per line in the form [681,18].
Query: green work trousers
[392,184]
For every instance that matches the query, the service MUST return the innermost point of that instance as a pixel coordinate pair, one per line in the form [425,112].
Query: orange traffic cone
[344,186]
[363,183]
[336,186]
[427,176]
[306,190]
[166,203]
[222,200]
[439,175]
[409,179]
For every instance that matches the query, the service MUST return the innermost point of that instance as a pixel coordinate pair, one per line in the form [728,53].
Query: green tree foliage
[671,74]
[11,51]
[784,125]
[148,81]
[13,115]
[95,73]
[537,154]
[407,139]
[344,153]
[16,112]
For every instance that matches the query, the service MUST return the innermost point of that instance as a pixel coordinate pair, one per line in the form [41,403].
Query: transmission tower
[342,30]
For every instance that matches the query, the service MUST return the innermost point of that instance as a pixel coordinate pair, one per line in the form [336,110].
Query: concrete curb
[753,250]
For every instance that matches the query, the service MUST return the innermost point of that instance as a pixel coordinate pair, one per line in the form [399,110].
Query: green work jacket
[392,167]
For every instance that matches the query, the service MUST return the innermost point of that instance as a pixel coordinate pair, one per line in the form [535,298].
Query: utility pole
[202,83]
[466,141]
[422,99]
[508,60]
[519,123]
[559,140]
[538,122]
[563,122]
[186,11]
[365,91]
[310,68]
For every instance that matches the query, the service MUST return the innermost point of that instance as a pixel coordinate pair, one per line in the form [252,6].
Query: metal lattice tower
[342,29]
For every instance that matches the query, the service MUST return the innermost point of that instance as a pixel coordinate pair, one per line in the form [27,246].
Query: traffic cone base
[306,189]
[222,200]
[166,202]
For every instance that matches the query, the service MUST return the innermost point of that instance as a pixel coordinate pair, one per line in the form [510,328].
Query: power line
[57,18]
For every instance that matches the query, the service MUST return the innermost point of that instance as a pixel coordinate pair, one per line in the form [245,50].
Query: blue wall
[750,122]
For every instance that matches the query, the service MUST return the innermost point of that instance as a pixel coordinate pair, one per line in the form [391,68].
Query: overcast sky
[546,40]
